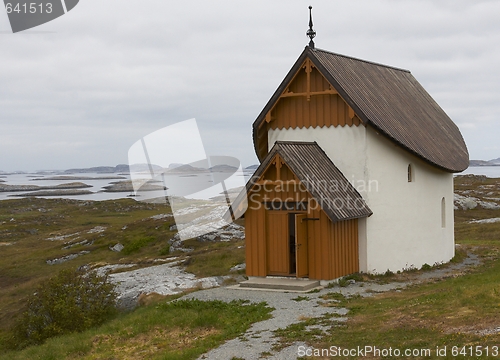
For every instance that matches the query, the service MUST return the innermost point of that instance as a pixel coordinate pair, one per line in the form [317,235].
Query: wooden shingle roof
[322,179]
[390,100]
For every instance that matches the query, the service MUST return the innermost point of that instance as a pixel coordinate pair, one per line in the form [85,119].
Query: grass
[182,329]
[137,244]
[477,234]
[450,312]
[28,223]
[460,311]
[214,259]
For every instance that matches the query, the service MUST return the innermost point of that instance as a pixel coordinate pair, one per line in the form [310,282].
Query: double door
[286,235]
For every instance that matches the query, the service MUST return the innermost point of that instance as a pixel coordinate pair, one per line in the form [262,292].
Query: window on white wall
[443,212]
[410,173]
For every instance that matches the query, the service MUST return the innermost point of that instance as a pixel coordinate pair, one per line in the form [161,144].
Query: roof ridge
[295,142]
[362,60]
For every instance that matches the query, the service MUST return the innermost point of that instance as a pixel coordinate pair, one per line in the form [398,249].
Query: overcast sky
[80,90]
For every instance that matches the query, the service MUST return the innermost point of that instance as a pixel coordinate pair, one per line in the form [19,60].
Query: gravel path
[259,340]
[260,337]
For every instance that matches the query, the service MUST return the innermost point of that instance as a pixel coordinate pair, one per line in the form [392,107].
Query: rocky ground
[476,191]
[166,277]
[163,279]
[160,276]
[205,223]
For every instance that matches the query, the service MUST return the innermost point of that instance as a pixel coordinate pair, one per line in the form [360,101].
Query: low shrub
[388,273]
[356,277]
[343,282]
[137,244]
[72,301]
[426,267]
[165,250]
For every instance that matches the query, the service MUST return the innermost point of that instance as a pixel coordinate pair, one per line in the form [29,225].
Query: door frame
[301,246]
[282,260]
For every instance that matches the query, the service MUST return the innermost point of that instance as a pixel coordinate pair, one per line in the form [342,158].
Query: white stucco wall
[346,146]
[405,228]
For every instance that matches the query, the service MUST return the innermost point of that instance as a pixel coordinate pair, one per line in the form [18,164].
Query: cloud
[467,125]
[109,72]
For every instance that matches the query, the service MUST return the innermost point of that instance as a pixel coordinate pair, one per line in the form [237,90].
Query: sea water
[97,182]
[489,171]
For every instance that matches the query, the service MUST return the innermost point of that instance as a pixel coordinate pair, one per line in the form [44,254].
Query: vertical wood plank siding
[320,110]
[278,259]
[333,247]
[255,244]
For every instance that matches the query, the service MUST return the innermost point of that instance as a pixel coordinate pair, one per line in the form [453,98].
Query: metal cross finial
[311,33]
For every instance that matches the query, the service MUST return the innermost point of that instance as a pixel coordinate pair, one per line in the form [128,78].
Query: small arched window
[410,173]
[443,213]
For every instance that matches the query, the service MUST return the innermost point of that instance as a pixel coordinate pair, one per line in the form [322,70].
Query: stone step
[280,284]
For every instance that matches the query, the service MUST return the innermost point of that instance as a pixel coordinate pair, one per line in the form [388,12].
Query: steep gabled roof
[390,100]
[321,178]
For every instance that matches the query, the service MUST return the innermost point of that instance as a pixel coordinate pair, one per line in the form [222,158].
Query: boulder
[116,248]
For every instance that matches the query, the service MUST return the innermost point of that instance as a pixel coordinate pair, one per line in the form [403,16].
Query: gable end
[389,99]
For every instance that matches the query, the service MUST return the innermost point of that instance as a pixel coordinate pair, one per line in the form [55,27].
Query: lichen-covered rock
[469,203]
[66,258]
[165,279]
[238,267]
[116,248]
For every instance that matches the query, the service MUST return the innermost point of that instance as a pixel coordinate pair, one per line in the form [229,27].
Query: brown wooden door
[278,259]
[301,244]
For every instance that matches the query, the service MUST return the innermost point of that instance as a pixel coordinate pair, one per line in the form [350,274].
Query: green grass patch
[165,250]
[450,312]
[182,329]
[137,244]
[426,267]
[460,255]
[214,258]
[453,312]
[333,296]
